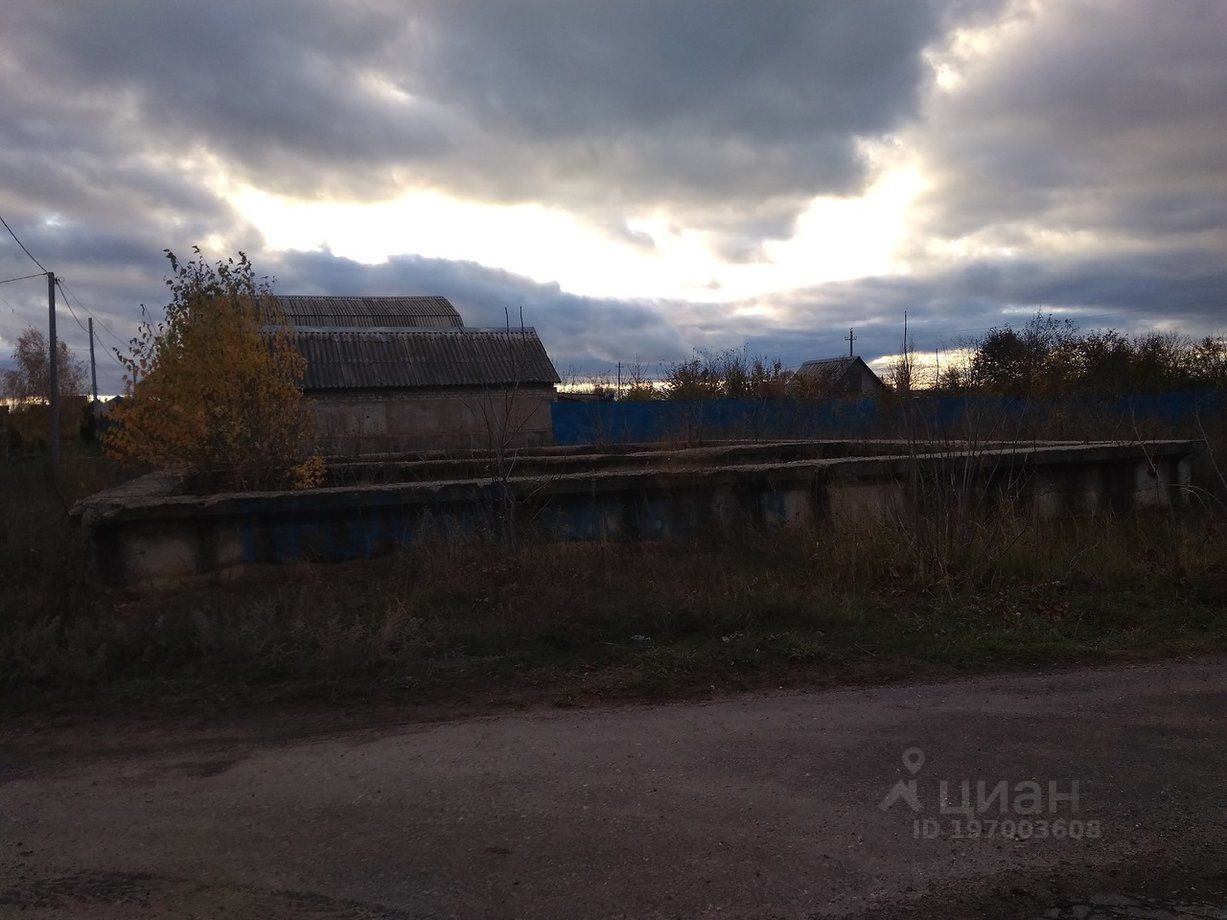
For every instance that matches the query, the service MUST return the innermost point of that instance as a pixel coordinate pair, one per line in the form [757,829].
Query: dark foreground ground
[750,806]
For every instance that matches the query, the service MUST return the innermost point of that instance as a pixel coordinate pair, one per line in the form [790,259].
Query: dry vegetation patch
[471,619]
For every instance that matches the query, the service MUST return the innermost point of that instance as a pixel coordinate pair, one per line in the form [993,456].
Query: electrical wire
[68,292]
[73,314]
[106,350]
[22,245]
[70,309]
[24,277]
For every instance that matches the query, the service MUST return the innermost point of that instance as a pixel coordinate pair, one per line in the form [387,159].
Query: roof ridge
[411,330]
[368,296]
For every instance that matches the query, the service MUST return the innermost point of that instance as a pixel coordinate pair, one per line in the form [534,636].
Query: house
[404,374]
[846,376]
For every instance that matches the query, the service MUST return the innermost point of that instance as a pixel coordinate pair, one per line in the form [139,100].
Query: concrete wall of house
[140,539]
[354,423]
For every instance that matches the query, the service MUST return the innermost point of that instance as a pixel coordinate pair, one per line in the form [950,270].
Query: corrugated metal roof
[829,369]
[397,357]
[402,312]
[840,374]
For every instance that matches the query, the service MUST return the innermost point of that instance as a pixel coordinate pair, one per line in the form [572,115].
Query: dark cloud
[1087,118]
[101,225]
[1098,126]
[116,116]
[730,114]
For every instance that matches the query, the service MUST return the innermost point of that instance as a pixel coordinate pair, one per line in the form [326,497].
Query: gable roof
[832,371]
[390,357]
[403,312]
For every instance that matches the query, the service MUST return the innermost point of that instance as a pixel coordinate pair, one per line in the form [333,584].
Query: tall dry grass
[464,615]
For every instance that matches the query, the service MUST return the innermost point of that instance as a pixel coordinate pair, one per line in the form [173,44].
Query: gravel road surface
[782,805]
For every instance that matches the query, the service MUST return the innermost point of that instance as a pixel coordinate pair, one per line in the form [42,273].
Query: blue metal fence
[664,420]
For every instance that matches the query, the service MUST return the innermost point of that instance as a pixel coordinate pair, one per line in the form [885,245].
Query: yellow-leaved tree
[214,387]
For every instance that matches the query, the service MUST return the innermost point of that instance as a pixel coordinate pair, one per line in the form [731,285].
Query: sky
[643,178]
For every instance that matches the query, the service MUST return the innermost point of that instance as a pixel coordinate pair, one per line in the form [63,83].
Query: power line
[68,292]
[60,284]
[75,318]
[22,245]
[108,352]
[71,311]
[23,278]
[66,303]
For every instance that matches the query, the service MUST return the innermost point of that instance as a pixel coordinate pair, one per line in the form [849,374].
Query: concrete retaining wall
[142,535]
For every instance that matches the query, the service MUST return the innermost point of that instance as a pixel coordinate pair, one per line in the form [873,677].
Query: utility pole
[54,368]
[851,338]
[907,346]
[93,369]
[619,378]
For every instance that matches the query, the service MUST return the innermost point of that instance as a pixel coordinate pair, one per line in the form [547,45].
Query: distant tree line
[1052,357]
[729,374]
[1045,357]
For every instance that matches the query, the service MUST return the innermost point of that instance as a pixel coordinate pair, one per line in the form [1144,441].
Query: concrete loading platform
[147,533]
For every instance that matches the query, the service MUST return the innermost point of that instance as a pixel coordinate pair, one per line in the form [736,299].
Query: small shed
[404,374]
[844,376]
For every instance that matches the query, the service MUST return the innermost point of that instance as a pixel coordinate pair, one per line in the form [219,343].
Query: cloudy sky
[642,177]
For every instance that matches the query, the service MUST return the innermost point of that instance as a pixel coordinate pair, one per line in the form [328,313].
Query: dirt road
[788,805]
